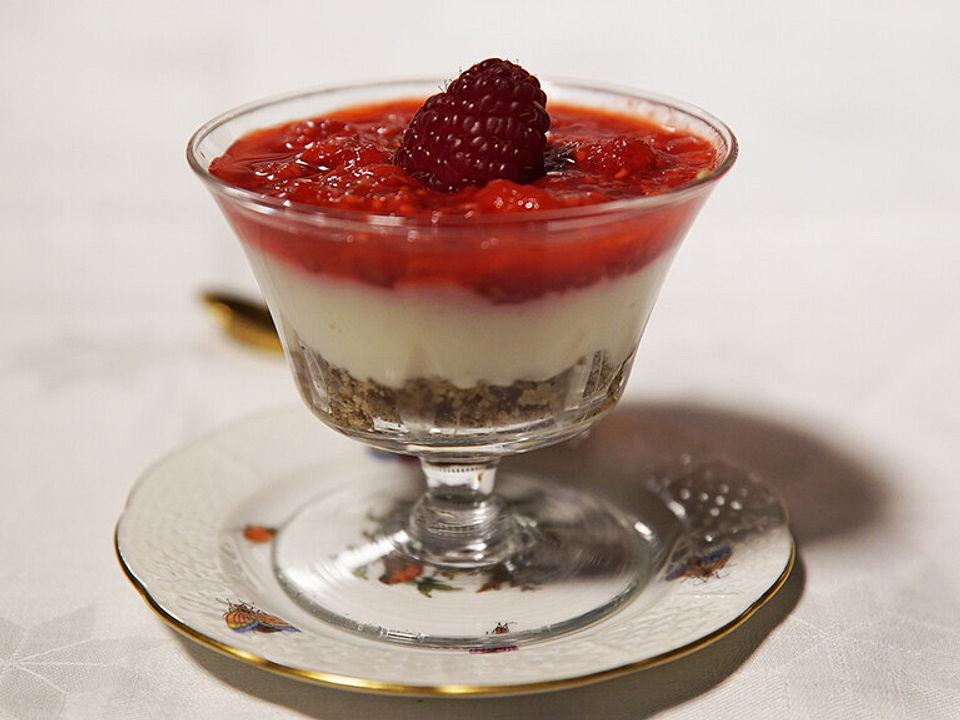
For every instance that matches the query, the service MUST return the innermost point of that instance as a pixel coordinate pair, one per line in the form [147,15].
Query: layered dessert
[470,265]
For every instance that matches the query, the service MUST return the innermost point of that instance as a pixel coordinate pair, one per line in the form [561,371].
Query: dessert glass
[459,379]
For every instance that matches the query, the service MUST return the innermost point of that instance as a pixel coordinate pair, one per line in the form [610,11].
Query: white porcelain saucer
[195,539]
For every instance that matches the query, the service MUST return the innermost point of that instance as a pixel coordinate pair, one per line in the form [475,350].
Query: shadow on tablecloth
[829,494]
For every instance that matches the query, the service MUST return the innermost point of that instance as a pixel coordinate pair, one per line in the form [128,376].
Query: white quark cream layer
[393,335]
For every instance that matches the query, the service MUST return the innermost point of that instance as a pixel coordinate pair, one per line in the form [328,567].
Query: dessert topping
[490,123]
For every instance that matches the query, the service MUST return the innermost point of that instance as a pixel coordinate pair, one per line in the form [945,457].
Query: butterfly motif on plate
[704,567]
[243,617]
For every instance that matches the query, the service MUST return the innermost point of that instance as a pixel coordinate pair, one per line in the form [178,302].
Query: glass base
[348,558]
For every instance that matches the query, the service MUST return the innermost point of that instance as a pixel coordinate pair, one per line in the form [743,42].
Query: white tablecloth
[810,325]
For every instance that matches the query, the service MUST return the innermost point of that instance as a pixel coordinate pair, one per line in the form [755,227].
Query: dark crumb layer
[368,406]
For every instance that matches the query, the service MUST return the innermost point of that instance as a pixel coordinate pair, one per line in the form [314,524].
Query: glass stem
[459,521]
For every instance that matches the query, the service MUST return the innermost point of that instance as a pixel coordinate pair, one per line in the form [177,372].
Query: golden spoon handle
[246,321]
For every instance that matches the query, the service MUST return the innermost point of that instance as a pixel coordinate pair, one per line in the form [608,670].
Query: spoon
[244,320]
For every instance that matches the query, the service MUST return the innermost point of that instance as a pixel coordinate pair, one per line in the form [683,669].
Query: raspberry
[491,123]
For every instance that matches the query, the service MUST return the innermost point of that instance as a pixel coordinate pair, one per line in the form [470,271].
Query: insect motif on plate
[492,650]
[244,617]
[259,533]
[502,628]
[703,566]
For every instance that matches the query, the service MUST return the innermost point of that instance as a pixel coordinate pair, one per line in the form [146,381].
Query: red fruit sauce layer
[343,161]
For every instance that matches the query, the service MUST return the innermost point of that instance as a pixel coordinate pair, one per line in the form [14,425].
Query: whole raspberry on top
[490,123]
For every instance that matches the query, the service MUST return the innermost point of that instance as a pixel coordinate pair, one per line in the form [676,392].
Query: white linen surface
[810,325]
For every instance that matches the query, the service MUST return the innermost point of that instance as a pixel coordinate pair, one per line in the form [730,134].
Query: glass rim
[320,215]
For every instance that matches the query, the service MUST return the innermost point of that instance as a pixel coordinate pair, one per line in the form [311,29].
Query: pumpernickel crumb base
[588,387]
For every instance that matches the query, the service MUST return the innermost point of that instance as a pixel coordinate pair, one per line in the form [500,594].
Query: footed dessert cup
[460,340]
